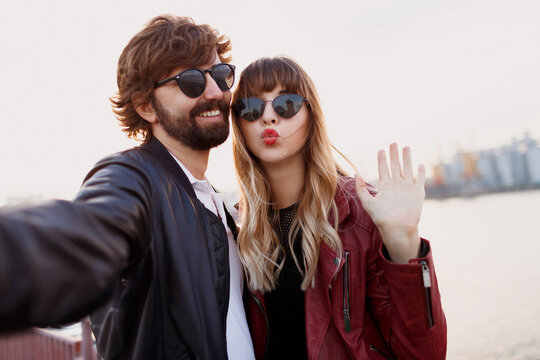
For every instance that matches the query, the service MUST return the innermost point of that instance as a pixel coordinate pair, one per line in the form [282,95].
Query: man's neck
[196,161]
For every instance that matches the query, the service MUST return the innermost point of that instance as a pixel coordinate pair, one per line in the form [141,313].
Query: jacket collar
[155,148]
[160,152]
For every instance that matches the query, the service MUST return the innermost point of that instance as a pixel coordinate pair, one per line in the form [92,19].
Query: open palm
[397,207]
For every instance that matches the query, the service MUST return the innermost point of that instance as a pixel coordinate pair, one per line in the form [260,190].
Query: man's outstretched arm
[60,260]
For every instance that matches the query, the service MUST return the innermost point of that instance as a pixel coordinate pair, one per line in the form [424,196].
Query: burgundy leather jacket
[363,306]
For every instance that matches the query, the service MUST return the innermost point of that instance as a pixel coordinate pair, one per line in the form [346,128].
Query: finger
[407,164]
[421,178]
[361,189]
[394,161]
[383,167]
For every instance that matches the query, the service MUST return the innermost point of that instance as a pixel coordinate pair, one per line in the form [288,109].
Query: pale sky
[432,74]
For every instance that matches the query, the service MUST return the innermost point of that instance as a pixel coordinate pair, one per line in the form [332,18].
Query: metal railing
[46,344]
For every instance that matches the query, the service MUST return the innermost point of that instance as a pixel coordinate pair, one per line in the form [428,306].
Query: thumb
[361,189]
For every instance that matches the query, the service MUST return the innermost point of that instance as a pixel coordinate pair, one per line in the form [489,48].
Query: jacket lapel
[156,149]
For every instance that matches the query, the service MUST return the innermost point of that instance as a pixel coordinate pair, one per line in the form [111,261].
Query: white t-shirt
[239,345]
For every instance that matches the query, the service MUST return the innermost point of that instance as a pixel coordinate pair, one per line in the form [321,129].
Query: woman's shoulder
[350,209]
[348,185]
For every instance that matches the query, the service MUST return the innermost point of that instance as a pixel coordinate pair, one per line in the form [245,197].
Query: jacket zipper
[426,277]
[346,294]
[259,304]
[373,348]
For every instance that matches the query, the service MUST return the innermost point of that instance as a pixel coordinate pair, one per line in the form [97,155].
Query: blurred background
[458,81]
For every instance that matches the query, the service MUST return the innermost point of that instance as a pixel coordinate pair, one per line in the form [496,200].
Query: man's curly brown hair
[167,42]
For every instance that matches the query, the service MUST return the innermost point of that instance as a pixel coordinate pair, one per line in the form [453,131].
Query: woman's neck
[287,181]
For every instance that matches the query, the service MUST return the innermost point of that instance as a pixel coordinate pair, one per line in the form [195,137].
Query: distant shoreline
[447,192]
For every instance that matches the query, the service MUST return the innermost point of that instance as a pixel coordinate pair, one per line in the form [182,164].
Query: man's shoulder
[133,160]
[150,156]
[149,163]
[135,155]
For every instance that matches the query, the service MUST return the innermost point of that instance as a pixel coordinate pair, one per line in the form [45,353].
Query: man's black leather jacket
[136,248]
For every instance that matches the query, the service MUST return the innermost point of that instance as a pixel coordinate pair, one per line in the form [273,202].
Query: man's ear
[144,109]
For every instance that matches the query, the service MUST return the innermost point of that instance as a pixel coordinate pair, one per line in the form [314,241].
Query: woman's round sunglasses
[193,81]
[252,108]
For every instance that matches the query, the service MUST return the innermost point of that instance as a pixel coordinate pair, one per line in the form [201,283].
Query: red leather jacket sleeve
[405,301]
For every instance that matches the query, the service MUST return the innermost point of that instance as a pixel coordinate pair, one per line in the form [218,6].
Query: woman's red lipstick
[270,136]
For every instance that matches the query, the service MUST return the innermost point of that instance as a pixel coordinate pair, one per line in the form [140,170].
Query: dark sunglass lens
[250,109]
[223,74]
[287,105]
[192,83]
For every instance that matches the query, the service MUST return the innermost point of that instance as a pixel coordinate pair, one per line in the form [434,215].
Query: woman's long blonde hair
[258,243]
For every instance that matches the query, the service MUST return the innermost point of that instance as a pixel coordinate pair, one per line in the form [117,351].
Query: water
[487,257]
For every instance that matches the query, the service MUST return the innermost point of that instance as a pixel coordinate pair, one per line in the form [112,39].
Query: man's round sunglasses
[252,108]
[193,81]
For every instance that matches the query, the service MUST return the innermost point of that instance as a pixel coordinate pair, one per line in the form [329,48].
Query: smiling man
[147,245]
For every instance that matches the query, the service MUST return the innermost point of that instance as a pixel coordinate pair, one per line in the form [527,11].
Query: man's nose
[212,91]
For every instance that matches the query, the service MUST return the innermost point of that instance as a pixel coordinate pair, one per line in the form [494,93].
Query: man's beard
[188,132]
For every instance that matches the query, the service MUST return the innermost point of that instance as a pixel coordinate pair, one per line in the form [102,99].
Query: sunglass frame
[262,107]
[203,73]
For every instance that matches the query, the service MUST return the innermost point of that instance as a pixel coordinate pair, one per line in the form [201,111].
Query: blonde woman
[335,268]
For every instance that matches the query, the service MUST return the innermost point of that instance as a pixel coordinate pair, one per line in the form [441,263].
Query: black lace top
[285,305]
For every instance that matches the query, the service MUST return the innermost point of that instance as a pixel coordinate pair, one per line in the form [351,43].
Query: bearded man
[147,245]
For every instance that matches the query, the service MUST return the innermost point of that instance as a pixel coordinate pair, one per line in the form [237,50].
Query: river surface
[487,258]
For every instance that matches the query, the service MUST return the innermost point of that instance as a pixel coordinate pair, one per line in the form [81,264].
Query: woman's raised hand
[397,207]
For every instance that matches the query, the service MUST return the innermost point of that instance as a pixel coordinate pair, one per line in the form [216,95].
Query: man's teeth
[210,113]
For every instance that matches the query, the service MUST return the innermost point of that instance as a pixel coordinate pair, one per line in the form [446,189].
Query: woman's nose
[269,116]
